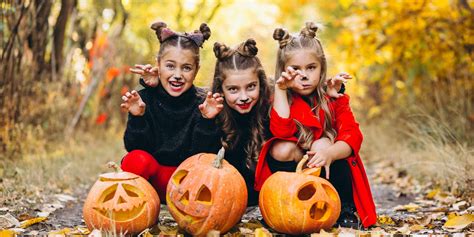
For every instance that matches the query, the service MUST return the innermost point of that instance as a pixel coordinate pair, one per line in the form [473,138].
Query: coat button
[354,163]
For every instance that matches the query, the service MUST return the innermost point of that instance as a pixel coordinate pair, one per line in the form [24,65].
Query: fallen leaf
[213,233]
[8,221]
[411,207]
[64,197]
[433,193]
[415,228]
[458,223]
[7,233]
[460,205]
[262,232]
[404,230]
[27,223]
[385,220]
[65,231]
[323,233]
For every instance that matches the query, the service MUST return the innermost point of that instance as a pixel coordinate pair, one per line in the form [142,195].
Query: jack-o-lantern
[121,202]
[206,193]
[299,202]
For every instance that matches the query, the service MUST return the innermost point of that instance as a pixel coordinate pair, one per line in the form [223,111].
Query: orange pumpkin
[121,202]
[206,193]
[299,203]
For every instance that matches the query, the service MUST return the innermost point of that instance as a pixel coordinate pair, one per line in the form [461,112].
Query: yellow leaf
[25,224]
[416,227]
[385,220]
[458,223]
[262,232]
[7,233]
[433,193]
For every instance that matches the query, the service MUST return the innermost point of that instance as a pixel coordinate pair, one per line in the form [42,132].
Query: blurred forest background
[65,65]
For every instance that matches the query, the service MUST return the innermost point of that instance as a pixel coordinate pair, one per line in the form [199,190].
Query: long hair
[306,40]
[242,58]
[191,41]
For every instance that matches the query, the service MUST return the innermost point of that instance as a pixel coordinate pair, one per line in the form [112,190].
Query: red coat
[347,130]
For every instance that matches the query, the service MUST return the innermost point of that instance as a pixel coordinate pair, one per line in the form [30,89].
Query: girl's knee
[321,144]
[285,151]
[138,162]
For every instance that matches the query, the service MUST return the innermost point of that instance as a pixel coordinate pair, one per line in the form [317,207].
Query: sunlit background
[65,66]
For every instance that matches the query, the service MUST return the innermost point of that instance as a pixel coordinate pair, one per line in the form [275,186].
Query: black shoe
[348,217]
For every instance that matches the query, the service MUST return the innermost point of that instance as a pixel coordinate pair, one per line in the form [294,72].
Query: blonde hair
[242,58]
[306,40]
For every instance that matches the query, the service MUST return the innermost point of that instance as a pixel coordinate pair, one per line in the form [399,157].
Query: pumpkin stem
[218,161]
[302,162]
[114,166]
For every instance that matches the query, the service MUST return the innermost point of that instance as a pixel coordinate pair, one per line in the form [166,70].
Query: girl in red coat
[304,120]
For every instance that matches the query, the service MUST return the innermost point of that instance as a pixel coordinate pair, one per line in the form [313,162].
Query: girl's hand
[212,106]
[149,74]
[133,103]
[320,159]
[287,79]
[334,84]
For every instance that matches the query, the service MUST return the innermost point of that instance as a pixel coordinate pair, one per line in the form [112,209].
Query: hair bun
[282,35]
[205,31]
[310,30]
[158,28]
[222,51]
[248,48]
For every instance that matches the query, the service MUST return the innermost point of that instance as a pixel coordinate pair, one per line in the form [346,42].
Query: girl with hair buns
[305,120]
[166,125]
[240,78]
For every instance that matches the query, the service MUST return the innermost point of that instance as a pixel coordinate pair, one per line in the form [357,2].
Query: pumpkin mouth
[319,211]
[185,217]
[122,214]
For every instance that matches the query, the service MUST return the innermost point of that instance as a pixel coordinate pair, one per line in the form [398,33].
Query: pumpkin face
[121,202]
[201,197]
[299,203]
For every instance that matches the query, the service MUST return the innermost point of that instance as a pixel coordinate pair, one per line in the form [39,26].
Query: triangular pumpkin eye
[204,194]
[306,192]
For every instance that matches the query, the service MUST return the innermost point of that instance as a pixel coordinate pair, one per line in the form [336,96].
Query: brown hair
[191,41]
[242,58]
[306,40]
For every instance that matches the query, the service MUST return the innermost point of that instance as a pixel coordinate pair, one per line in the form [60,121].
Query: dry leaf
[8,221]
[411,207]
[262,232]
[7,233]
[323,233]
[27,223]
[385,220]
[460,205]
[458,223]
[213,233]
[416,227]
[433,193]
[404,230]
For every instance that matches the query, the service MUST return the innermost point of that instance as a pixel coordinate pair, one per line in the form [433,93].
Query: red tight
[142,163]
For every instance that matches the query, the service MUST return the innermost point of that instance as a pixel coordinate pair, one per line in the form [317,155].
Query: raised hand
[287,79]
[133,103]
[149,74]
[212,106]
[334,84]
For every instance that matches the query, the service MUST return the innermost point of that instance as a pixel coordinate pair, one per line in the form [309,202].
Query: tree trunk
[59,31]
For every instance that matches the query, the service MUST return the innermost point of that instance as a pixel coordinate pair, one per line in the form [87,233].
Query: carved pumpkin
[299,202]
[206,193]
[121,202]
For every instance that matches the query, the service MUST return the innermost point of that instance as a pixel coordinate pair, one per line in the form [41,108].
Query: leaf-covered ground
[403,205]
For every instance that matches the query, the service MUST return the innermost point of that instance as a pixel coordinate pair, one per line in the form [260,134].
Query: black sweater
[238,155]
[172,128]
